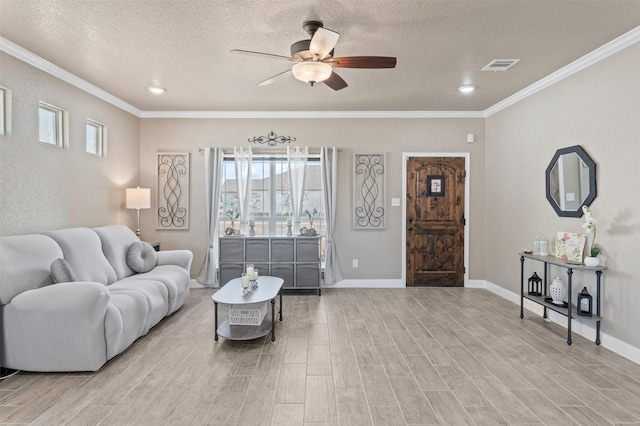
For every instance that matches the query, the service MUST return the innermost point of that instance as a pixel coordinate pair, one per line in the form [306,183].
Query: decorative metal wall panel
[272,139]
[369,188]
[173,190]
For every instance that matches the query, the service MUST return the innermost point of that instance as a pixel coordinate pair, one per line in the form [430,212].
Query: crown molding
[312,114]
[586,61]
[36,61]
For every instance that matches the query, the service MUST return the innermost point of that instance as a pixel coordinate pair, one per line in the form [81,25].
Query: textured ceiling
[124,46]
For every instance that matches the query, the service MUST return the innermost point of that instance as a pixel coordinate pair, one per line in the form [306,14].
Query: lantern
[535,285]
[585,303]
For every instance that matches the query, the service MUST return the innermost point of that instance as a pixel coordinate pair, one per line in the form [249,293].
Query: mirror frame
[577,149]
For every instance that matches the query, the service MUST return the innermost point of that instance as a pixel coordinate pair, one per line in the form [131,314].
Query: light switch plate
[395,202]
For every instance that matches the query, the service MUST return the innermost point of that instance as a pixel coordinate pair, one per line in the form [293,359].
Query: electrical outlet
[355,263]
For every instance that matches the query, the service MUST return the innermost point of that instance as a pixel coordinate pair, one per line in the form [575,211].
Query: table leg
[599,275]
[281,305]
[521,286]
[215,308]
[273,319]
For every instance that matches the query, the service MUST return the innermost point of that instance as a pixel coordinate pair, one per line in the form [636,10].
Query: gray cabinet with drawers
[294,259]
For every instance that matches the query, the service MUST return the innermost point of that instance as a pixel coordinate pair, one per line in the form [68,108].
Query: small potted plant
[232,214]
[311,215]
[591,227]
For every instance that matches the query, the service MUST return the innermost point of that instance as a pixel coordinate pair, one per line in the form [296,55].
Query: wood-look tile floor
[351,357]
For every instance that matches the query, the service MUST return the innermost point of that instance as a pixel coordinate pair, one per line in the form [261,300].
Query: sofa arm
[182,258]
[59,327]
[75,297]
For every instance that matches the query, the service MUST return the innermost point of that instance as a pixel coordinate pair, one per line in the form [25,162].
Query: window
[270,204]
[5,111]
[96,142]
[53,125]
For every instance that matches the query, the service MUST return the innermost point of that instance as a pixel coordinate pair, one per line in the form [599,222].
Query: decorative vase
[591,260]
[558,292]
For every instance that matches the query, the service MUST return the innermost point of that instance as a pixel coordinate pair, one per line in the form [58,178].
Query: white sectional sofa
[80,325]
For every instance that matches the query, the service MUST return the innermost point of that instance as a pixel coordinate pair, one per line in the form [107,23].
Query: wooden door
[435,221]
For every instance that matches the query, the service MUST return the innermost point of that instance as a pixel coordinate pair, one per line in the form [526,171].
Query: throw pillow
[141,257]
[61,272]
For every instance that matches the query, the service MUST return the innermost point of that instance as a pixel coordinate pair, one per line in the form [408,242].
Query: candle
[245,280]
[255,275]
[250,271]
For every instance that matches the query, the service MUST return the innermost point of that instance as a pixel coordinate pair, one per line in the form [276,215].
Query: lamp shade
[312,71]
[138,198]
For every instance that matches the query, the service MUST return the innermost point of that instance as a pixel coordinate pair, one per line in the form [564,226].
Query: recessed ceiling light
[467,88]
[157,90]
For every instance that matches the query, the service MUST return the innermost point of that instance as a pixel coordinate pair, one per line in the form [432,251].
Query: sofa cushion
[141,257]
[154,292]
[82,248]
[61,272]
[175,278]
[116,240]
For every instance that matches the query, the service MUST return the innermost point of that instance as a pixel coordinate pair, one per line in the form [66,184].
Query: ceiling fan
[314,61]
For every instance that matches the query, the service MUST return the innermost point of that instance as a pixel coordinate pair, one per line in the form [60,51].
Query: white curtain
[213,158]
[329,170]
[242,158]
[297,159]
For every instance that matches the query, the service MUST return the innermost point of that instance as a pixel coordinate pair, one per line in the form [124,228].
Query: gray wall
[599,109]
[44,187]
[379,252]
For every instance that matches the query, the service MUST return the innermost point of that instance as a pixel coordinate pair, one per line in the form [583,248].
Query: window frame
[61,125]
[100,142]
[276,225]
[5,111]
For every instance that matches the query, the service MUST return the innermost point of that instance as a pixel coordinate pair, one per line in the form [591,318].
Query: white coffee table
[231,294]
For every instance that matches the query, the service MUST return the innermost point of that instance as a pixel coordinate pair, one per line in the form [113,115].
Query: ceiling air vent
[500,64]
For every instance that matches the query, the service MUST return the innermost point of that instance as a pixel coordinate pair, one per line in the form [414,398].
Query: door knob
[409,228]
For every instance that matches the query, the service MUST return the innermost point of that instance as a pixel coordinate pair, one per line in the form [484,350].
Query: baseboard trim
[606,341]
[364,283]
[195,284]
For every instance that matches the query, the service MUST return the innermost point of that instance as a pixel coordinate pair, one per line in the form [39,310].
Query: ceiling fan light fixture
[312,71]
[157,90]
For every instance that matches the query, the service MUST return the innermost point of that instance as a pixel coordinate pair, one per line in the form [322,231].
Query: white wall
[379,252]
[44,187]
[599,109]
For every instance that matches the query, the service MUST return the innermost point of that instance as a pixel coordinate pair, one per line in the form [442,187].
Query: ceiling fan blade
[363,62]
[264,55]
[335,82]
[274,78]
[323,42]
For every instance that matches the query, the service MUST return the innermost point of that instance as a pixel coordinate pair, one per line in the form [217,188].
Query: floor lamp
[138,198]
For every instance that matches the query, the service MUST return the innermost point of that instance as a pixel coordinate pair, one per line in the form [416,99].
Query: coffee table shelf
[231,294]
[245,332]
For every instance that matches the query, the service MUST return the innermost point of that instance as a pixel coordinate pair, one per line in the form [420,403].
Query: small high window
[53,125]
[5,111]
[96,142]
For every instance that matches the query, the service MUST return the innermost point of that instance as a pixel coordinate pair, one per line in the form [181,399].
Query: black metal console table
[570,311]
